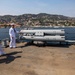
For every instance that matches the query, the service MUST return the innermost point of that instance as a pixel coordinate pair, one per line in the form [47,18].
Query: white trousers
[12,42]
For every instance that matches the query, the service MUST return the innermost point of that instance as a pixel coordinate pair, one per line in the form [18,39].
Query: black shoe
[11,47]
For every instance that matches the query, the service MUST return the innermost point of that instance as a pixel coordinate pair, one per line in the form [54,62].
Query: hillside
[41,19]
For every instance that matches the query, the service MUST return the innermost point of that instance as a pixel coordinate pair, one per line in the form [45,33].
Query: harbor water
[69,32]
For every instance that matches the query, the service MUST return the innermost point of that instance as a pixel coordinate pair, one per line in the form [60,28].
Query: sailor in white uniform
[12,33]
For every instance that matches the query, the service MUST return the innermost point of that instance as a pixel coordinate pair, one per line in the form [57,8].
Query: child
[1,50]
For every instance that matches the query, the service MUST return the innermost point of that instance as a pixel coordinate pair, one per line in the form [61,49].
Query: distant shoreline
[41,26]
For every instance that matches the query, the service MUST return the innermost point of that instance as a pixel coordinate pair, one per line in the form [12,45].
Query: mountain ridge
[37,19]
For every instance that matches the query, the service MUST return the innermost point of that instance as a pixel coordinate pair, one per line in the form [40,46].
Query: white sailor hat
[12,24]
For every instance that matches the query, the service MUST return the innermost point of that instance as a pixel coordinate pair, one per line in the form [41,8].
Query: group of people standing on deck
[12,34]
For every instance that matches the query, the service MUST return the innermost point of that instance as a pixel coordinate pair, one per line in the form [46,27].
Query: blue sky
[18,7]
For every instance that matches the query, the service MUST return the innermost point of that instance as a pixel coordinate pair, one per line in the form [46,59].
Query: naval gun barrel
[49,31]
